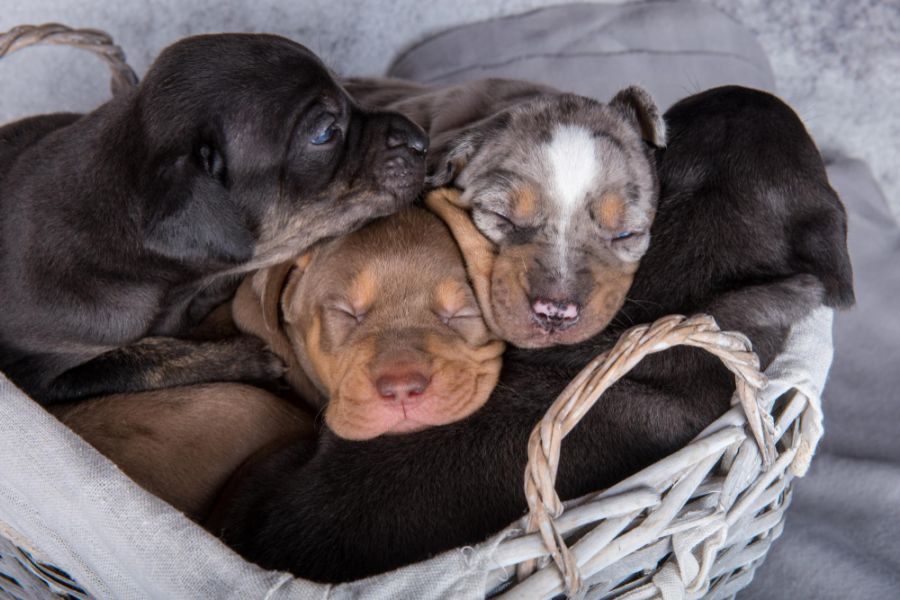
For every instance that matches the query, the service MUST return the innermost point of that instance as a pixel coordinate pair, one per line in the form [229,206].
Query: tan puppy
[182,444]
[380,328]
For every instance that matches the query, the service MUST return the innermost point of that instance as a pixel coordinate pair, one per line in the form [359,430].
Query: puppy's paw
[255,361]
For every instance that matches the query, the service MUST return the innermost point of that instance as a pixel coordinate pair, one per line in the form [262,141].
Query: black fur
[135,219]
[748,230]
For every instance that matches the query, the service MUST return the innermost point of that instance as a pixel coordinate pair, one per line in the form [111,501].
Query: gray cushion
[672,49]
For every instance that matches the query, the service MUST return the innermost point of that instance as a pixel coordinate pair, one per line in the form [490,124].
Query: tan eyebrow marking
[524,203]
[363,289]
[611,211]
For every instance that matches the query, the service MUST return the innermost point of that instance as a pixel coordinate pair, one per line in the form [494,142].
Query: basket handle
[123,77]
[700,331]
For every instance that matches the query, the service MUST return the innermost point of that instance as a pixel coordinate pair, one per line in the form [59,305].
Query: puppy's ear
[820,248]
[187,214]
[478,252]
[636,105]
[451,152]
[268,285]
[256,310]
[449,155]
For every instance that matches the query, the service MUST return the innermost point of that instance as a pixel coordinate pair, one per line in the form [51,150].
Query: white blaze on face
[573,162]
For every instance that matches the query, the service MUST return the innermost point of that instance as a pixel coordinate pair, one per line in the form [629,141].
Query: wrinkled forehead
[401,257]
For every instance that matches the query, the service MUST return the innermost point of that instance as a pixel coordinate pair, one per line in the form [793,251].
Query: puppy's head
[386,326]
[564,188]
[252,152]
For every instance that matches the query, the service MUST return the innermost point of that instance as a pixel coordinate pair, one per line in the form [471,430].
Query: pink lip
[405,426]
[399,417]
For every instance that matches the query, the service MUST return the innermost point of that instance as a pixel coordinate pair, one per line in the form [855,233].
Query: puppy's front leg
[774,304]
[162,362]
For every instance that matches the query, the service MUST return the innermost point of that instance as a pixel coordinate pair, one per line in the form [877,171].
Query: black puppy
[748,230]
[236,152]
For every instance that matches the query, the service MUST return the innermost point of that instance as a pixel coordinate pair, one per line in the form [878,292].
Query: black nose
[403,132]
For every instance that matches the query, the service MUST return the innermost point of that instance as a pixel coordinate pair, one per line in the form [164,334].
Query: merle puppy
[748,230]
[131,222]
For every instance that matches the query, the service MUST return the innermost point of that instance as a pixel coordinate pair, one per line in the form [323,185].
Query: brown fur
[391,298]
[182,444]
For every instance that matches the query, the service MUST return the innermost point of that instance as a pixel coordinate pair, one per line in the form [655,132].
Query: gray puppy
[563,186]
[236,152]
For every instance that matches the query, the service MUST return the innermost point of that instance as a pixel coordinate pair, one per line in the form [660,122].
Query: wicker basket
[695,524]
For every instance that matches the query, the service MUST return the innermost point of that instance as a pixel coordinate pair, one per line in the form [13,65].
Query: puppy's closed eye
[455,306]
[339,319]
[497,226]
[466,322]
[501,219]
[343,309]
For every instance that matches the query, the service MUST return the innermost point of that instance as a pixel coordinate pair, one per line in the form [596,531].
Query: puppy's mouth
[374,416]
[542,336]
[537,323]
[408,423]
[363,407]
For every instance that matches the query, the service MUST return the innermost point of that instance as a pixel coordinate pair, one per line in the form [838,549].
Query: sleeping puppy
[748,229]
[563,186]
[183,443]
[133,221]
[379,329]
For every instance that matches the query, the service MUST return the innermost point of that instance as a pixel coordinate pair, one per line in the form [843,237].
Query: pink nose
[401,386]
[554,315]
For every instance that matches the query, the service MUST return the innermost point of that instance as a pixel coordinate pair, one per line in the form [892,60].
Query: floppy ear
[449,155]
[477,250]
[820,248]
[637,105]
[186,213]
[451,151]
[256,310]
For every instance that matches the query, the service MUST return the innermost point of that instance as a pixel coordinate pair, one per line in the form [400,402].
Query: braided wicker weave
[704,514]
[695,524]
[122,76]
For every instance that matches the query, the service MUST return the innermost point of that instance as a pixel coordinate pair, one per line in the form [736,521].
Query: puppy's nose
[554,315]
[401,386]
[403,132]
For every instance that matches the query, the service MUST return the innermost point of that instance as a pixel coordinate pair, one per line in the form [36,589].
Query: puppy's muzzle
[405,146]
